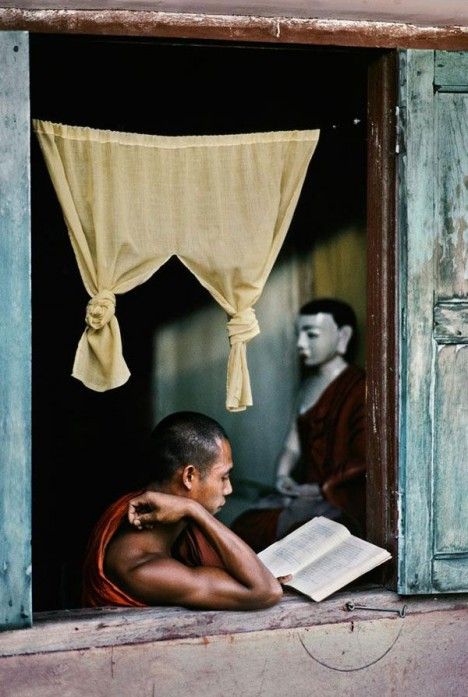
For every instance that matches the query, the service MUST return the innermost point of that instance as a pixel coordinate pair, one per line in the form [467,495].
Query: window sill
[69,630]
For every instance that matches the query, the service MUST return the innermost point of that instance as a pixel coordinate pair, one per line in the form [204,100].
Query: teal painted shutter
[433,225]
[15,334]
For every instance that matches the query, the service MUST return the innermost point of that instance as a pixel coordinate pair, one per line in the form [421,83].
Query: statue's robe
[191,548]
[333,454]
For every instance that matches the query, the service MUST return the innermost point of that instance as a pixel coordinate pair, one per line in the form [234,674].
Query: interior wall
[190,361]
[86,444]
[339,271]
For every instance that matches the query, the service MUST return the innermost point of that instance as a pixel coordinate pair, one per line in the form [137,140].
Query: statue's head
[326,328]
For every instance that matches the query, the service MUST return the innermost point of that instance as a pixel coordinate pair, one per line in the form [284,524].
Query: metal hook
[350,606]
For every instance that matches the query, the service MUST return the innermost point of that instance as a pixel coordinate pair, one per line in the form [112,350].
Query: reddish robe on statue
[333,452]
[192,548]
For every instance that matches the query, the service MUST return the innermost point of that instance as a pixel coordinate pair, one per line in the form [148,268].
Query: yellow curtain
[221,204]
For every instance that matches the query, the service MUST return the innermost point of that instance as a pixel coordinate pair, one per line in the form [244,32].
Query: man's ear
[344,335]
[188,474]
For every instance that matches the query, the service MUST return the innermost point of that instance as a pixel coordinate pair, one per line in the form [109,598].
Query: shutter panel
[15,334]
[433,227]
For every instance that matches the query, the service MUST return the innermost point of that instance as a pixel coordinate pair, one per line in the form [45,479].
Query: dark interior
[85,444]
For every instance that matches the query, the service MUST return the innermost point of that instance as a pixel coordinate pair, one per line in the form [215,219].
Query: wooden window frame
[45,18]
[383,265]
[382,357]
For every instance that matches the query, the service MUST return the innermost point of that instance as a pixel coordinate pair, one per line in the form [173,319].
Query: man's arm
[244,584]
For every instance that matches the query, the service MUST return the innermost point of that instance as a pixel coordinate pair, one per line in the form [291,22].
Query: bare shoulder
[128,549]
[135,562]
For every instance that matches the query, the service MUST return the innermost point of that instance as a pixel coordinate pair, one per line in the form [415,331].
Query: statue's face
[318,338]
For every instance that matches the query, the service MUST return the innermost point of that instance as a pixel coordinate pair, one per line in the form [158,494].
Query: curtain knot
[100,309]
[243,326]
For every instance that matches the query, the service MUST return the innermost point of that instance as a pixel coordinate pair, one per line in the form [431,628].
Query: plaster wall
[417,655]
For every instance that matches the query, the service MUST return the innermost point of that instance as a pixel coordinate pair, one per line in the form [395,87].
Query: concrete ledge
[91,628]
[299,648]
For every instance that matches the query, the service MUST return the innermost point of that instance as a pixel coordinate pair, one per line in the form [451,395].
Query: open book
[323,556]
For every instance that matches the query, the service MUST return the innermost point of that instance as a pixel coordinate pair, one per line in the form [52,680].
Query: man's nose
[228,489]
[301,343]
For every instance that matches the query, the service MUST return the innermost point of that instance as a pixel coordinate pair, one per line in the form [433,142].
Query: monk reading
[163,545]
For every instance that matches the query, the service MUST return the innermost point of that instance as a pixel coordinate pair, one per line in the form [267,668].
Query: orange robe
[192,548]
[333,454]
[333,444]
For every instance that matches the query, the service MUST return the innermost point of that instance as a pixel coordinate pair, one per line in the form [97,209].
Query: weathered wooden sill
[88,628]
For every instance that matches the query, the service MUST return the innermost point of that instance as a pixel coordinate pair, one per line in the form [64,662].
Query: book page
[303,546]
[347,561]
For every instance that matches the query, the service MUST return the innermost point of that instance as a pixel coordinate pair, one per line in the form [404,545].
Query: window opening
[175,88]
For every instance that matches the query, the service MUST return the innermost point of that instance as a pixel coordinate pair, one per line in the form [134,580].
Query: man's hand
[284,579]
[156,507]
[244,583]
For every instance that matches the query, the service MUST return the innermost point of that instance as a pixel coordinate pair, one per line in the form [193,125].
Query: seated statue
[321,469]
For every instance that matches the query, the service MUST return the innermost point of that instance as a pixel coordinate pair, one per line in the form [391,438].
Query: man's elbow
[267,597]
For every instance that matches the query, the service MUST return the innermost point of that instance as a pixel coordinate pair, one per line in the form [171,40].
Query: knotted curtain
[221,204]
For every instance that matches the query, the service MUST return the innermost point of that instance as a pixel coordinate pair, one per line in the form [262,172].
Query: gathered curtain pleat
[221,204]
